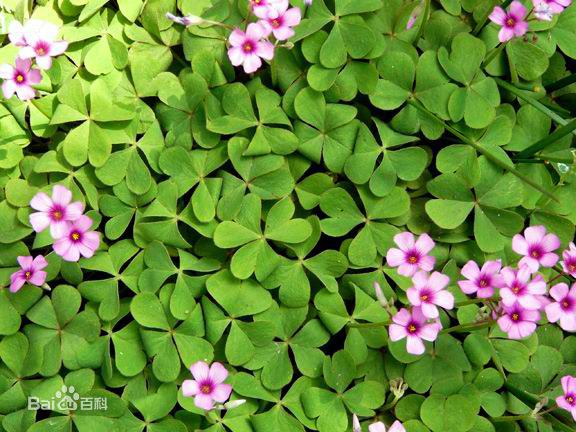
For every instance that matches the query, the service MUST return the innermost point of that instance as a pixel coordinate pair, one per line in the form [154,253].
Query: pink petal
[491,267]
[525,329]
[292,17]
[91,240]
[549,260]
[485,292]
[58,47]
[25,92]
[6,71]
[61,246]
[553,312]
[414,345]
[72,255]
[444,299]
[429,310]
[27,52]
[265,50]
[559,291]
[537,286]
[505,323]
[222,392]
[420,279]
[550,242]
[39,221]
[498,16]
[520,29]
[534,234]
[8,89]
[396,332]
[407,269]
[34,76]
[59,229]
[38,278]
[568,384]
[236,56]
[83,223]
[429,332]
[25,262]
[568,323]
[468,287]
[203,401]
[16,33]
[85,251]
[218,373]
[41,202]
[519,245]
[23,64]
[505,35]
[237,38]
[413,295]
[283,33]
[61,195]
[531,315]
[418,315]
[39,263]
[74,211]
[44,62]
[17,281]
[200,371]
[529,263]
[190,388]
[377,427]
[470,270]
[563,403]
[397,427]
[508,297]
[255,31]
[404,240]
[427,263]
[395,257]
[403,317]
[424,244]
[252,63]
[529,302]
[517,10]
[438,281]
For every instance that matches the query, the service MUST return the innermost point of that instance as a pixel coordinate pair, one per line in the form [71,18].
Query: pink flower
[411,21]
[30,272]
[554,6]
[414,327]
[248,48]
[308,2]
[55,212]
[542,11]
[564,308]
[537,247]
[280,21]
[519,288]
[412,255]
[428,293]
[568,400]
[381,427]
[207,385]
[513,23]
[78,240]
[569,263]
[19,79]
[261,8]
[517,321]
[188,20]
[481,281]
[38,40]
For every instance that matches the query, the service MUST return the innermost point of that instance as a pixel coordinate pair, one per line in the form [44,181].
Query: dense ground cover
[254,216]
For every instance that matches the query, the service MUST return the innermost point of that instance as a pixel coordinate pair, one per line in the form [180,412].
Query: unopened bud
[234,404]
[356,424]
[380,295]
[188,20]
[398,387]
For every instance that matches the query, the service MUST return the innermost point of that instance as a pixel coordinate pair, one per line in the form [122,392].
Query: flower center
[412,259]
[275,23]
[412,328]
[28,275]
[483,283]
[19,78]
[566,304]
[248,47]
[536,253]
[510,22]
[515,317]
[424,297]
[516,289]
[75,236]
[40,50]
[57,215]
[570,399]
[572,268]
[206,389]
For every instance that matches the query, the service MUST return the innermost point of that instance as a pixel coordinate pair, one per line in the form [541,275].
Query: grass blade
[559,133]
[561,83]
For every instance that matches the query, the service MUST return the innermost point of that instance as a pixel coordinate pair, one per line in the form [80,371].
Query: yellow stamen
[75,236]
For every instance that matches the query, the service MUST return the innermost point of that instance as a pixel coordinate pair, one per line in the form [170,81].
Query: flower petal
[424,244]
[190,388]
[39,221]
[498,16]
[200,370]
[221,392]
[395,257]
[396,332]
[404,240]
[41,202]
[38,278]
[204,401]
[218,373]
[470,270]
[414,345]
[25,262]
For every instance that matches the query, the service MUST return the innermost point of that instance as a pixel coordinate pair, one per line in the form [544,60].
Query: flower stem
[369,325]
[467,327]
[511,418]
[492,55]
[561,83]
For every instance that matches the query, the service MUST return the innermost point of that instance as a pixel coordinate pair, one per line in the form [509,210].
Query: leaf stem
[559,133]
[492,55]
[495,160]
[467,327]
[535,103]
[561,83]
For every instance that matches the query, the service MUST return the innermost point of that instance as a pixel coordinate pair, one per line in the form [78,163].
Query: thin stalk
[492,55]
[559,133]
[511,418]
[369,325]
[561,83]
[467,327]
[535,103]
[495,160]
